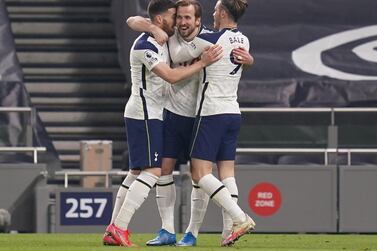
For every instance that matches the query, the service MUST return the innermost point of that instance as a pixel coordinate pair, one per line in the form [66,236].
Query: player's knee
[155,171]
[135,172]
[195,176]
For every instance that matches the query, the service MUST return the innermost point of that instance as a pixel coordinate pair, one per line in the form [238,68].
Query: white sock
[199,203]
[165,197]
[136,195]
[230,184]
[220,194]
[122,191]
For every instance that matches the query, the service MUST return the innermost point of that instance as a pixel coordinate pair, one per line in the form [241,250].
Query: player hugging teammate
[202,117]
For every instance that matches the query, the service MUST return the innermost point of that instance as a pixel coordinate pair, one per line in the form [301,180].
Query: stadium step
[68,53]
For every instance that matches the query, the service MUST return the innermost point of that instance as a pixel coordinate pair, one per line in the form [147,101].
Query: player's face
[186,21]
[216,15]
[168,21]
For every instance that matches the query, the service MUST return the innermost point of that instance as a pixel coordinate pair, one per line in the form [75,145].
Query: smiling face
[187,23]
[168,21]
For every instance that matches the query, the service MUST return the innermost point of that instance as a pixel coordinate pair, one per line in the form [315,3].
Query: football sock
[220,194]
[199,203]
[230,184]
[135,197]
[165,197]
[122,191]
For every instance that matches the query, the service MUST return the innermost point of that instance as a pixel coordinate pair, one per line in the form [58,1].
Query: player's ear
[158,19]
[198,21]
[223,13]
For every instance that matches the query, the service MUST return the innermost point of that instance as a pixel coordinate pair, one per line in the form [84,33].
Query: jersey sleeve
[148,54]
[150,59]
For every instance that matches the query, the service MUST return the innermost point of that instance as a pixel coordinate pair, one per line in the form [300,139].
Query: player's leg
[122,191]
[216,190]
[226,157]
[226,175]
[174,127]
[209,132]
[225,165]
[199,203]
[165,198]
[145,155]
[199,199]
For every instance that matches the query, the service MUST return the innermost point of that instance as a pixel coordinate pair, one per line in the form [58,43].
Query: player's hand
[212,54]
[242,56]
[159,35]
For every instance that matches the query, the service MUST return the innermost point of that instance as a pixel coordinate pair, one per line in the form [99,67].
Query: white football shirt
[182,96]
[218,91]
[148,91]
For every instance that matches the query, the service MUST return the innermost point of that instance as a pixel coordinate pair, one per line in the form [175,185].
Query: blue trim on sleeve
[144,44]
[205,29]
[212,37]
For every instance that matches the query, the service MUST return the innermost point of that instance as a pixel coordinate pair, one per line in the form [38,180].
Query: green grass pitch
[206,242]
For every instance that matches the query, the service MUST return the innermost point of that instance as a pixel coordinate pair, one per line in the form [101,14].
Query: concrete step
[90,88]
[59,28]
[58,2]
[86,130]
[82,118]
[70,43]
[80,101]
[40,58]
[64,71]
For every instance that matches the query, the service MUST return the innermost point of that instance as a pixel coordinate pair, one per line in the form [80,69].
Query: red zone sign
[265,199]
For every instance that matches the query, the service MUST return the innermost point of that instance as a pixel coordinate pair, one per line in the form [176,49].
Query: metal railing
[34,150]
[349,151]
[331,110]
[29,134]
[107,174]
[325,151]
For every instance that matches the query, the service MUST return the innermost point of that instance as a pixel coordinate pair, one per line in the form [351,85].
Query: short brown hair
[236,8]
[157,7]
[195,3]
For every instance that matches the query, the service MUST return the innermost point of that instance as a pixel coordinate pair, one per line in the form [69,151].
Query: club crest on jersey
[192,44]
[155,156]
[151,59]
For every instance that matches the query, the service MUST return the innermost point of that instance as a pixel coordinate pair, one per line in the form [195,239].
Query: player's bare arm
[242,56]
[209,56]
[142,24]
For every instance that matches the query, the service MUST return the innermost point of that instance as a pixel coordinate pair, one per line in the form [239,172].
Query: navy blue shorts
[145,142]
[215,137]
[177,136]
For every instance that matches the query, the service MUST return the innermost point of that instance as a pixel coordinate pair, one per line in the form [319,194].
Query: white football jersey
[148,91]
[218,91]
[182,96]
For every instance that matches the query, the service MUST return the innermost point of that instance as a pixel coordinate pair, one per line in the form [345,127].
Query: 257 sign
[85,208]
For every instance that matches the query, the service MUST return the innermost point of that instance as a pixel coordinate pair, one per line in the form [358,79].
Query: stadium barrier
[306,197]
[33,150]
[77,209]
[18,183]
